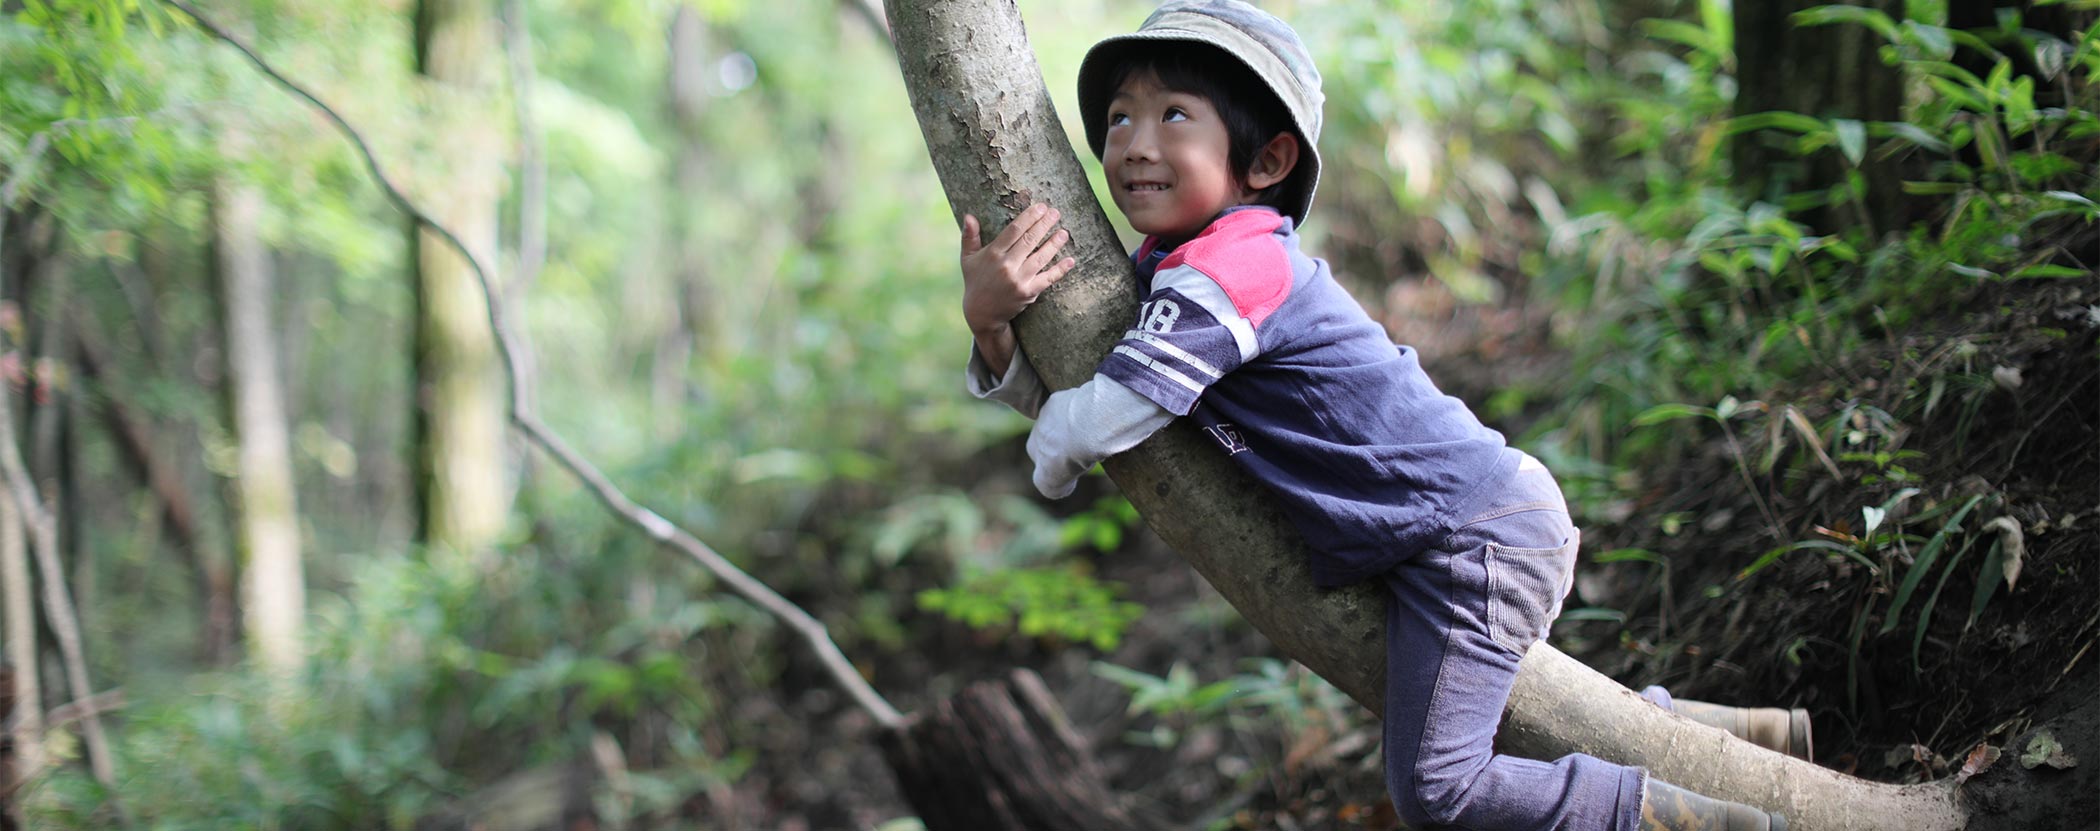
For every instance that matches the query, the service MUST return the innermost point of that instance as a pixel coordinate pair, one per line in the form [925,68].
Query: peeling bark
[998,145]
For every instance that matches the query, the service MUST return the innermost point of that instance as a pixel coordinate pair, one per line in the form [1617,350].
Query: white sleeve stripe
[1198,286]
[1169,372]
[1174,352]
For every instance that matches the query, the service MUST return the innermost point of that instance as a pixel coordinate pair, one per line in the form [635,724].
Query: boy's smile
[1167,158]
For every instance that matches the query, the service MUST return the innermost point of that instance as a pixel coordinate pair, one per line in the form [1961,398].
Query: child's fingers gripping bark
[1026,232]
[1043,268]
[1004,276]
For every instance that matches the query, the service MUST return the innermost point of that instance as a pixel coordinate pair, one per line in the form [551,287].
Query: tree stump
[1001,756]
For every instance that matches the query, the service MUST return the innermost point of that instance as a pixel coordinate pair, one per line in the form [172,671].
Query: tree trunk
[463,492]
[1001,756]
[696,319]
[27,692]
[1822,71]
[998,145]
[273,588]
[140,452]
[58,602]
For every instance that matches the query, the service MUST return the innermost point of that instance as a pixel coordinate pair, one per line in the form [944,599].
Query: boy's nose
[1141,146]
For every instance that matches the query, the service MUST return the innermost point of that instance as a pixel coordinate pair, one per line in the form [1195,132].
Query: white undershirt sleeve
[1020,389]
[1079,427]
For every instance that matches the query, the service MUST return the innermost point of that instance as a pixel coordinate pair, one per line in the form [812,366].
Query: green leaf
[1959,94]
[1917,637]
[1671,412]
[1620,555]
[1912,133]
[2049,271]
[1679,31]
[1776,120]
[1766,559]
[2044,749]
[1828,15]
[1937,41]
[1987,582]
[1851,139]
[1923,564]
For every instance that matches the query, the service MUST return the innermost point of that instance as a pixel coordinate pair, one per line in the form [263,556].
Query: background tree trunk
[998,146]
[141,452]
[42,526]
[696,324]
[27,692]
[1822,71]
[273,588]
[463,495]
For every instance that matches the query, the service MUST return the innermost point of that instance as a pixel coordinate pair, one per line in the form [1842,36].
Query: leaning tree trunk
[998,146]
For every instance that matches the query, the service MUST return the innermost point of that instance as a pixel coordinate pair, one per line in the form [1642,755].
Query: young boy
[1205,121]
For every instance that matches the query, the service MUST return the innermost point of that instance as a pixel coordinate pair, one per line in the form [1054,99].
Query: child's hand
[1002,278]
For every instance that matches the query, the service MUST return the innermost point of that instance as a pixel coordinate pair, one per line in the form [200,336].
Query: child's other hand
[1003,277]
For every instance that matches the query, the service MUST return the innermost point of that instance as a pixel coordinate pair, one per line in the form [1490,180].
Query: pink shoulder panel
[1239,252]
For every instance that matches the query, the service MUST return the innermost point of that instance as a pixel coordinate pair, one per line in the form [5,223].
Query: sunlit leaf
[1671,412]
[1874,19]
[1851,139]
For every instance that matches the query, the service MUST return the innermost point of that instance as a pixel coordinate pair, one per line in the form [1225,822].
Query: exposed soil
[1900,706]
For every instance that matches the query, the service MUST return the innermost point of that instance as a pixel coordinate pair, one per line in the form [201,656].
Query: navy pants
[1461,616]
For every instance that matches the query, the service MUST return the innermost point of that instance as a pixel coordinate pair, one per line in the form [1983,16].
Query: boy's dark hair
[1252,113]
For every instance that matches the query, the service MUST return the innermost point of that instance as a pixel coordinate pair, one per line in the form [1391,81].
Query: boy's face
[1167,158]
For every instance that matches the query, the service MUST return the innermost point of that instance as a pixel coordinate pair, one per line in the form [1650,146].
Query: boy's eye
[1175,114]
[1117,119]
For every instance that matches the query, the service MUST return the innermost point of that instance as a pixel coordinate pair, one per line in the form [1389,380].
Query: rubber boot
[1666,807]
[1786,731]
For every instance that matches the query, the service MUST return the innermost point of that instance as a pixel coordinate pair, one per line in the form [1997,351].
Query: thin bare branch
[58,602]
[532,161]
[528,423]
[532,191]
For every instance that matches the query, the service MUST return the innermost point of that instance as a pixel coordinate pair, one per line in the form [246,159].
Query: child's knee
[1425,799]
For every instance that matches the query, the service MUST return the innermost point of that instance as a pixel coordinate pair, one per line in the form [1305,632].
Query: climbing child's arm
[1018,387]
[1189,334]
[1079,427]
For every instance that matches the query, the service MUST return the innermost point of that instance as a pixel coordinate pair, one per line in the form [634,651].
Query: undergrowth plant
[1750,326]
[1745,299]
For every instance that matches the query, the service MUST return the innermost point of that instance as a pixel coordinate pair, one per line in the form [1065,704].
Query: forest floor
[1804,632]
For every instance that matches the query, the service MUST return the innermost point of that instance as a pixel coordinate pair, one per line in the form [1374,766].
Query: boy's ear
[1274,163]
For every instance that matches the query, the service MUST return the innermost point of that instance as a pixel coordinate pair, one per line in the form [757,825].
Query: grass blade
[1986,582]
[1923,565]
[1917,637]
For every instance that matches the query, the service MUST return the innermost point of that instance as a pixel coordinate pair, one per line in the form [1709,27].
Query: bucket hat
[1254,37]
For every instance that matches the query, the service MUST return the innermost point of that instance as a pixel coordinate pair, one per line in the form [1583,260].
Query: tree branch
[532,161]
[58,604]
[527,422]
